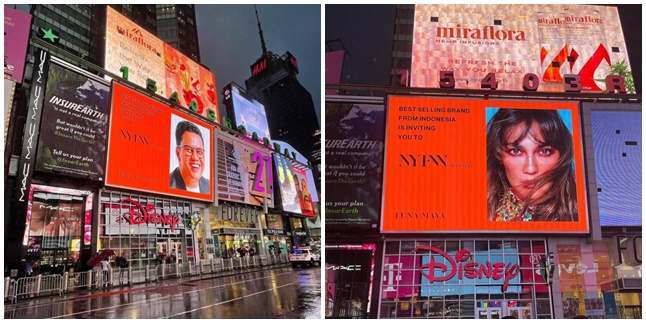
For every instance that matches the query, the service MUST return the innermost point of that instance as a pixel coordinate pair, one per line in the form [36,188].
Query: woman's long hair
[559,202]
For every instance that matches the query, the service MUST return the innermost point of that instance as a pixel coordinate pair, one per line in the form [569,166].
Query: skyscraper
[176,26]
[289,106]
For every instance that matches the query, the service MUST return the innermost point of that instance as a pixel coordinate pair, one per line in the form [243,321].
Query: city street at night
[270,293]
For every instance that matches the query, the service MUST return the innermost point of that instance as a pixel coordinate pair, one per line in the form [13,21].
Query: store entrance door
[489,313]
[520,312]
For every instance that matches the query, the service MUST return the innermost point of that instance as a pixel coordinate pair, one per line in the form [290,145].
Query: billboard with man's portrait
[467,165]
[144,152]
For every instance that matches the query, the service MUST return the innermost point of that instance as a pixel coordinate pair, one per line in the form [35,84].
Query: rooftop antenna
[262,39]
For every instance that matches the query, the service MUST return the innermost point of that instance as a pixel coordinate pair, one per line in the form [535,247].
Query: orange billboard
[477,165]
[155,148]
[148,57]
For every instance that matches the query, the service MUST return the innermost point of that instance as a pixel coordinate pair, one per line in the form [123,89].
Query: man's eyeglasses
[188,151]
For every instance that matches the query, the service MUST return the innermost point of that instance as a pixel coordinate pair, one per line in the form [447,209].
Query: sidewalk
[126,288]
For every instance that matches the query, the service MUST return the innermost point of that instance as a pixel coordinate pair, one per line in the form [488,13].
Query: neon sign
[139,214]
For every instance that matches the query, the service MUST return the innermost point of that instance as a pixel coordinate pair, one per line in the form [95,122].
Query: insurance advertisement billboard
[147,57]
[73,141]
[617,139]
[354,146]
[244,171]
[475,165]
[16,38]
[513,41]
[155,148]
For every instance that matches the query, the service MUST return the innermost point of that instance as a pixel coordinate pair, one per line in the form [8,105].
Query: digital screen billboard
[303,192]
[354,146]
[249,113]
[155,148]
[147,57]
[617,136]
[244,171]
[333,68]
[73,142]
[474,165]
[287,184]
[16,38]
[515,40]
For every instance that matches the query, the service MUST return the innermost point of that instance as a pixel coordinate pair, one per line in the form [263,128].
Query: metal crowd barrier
[40,285]
[37,286]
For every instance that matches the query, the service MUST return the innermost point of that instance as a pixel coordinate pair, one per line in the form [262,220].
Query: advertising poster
[148,138]
[617,138]
[467,165]
[287,184]
[546,40]
[147,57]
[73,141]
[303,192]
[244,171]
[354,146]
[16,38]
[333,68]
[249,113]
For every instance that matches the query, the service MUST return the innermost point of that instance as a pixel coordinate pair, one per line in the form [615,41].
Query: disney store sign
[138,214]
[460,266]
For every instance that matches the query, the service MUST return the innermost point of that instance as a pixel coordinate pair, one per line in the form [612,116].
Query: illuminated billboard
[244,171]
[354,148]
[155,148]
[617,149]
[147,57]
[244,110]
[474,165]
[286,181]
[74,142]
[513,41]
[16,38]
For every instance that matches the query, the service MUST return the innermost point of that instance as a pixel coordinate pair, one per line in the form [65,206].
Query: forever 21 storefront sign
[471,270]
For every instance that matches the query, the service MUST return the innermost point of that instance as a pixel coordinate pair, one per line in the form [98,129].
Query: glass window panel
[392,247]
[452,246]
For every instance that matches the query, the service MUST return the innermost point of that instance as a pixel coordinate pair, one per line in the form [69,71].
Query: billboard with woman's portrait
[462,165]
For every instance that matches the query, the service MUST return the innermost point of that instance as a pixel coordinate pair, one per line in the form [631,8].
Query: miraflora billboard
[244,171]
[514,41]
[73,142]
[147,57]
[155,148]
[464,165]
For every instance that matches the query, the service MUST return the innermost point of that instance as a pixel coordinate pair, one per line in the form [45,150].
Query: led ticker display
[617,142]
[147,57]
[513,41]
[467,165]
[244,171]
[144,152]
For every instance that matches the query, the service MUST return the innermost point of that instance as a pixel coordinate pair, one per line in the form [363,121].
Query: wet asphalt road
[272,293]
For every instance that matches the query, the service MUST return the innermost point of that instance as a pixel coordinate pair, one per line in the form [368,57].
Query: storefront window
[145,243]
[275,221]
[297,224]
[424,279]
[55,231]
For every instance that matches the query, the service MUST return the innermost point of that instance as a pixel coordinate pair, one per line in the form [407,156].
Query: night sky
[229,41]
[367,31]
